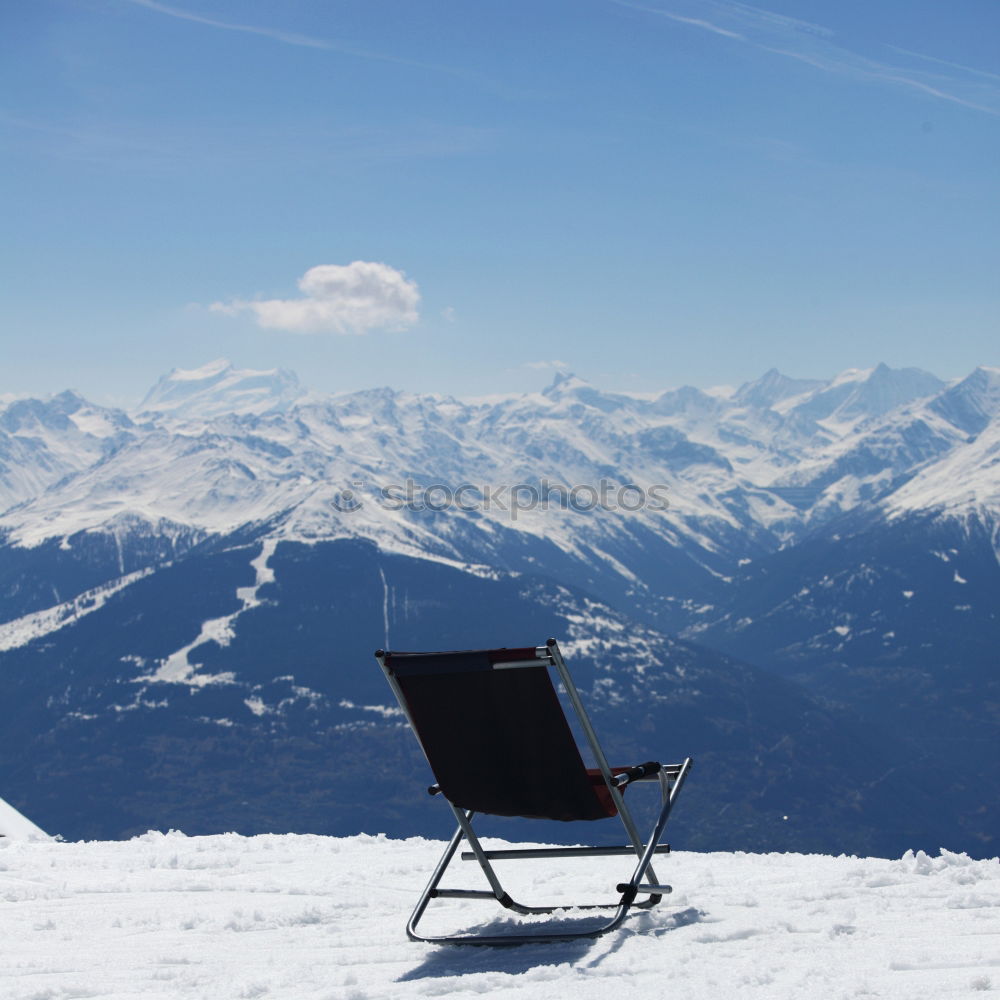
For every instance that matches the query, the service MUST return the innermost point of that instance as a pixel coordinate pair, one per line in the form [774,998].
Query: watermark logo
[347,501]
[510,499]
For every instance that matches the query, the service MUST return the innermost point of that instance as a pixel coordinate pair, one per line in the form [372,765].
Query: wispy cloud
[944,62]
[695,22]
[289,38]
[818,46]
[338,298]
[311,42]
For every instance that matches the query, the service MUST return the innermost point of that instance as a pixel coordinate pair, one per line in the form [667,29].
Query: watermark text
[511,499]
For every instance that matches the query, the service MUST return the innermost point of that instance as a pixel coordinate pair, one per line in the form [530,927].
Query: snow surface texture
[165,915]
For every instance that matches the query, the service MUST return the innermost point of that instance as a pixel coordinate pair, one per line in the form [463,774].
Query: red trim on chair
[601,789]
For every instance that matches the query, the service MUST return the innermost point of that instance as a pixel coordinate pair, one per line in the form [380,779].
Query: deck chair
[498,742]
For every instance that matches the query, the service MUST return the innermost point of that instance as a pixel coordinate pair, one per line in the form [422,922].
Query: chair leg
[429,890]
[635,884]
[498,893]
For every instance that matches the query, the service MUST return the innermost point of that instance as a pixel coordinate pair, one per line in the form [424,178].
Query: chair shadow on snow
[523,956]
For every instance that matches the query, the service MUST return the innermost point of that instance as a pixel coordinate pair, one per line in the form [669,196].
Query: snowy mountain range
[835,540]
[217,448]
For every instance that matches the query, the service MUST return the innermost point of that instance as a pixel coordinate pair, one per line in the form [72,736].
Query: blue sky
[652,193]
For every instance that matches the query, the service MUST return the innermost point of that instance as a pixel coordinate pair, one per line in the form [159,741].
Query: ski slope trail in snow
[302,917]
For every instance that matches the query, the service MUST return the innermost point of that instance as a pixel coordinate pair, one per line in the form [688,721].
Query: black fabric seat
[497,740]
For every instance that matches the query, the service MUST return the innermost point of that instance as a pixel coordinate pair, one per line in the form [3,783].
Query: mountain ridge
[841,546]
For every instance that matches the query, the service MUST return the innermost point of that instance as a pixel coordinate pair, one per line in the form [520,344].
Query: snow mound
[302,917]
[15,826]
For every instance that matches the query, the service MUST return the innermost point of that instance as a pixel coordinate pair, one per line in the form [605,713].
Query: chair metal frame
[643,882]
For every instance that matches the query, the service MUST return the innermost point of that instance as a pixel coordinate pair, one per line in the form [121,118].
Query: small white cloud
[448,314]
[545,364]
[338,298]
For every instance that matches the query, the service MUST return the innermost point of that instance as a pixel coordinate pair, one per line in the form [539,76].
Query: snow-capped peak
[971,403]
[859,393]
[54,412]
[772,387]
[567,387]
[886,388]
[218,389]
[564,384]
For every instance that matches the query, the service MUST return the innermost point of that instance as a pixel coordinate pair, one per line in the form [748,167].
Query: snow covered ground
[165,915]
